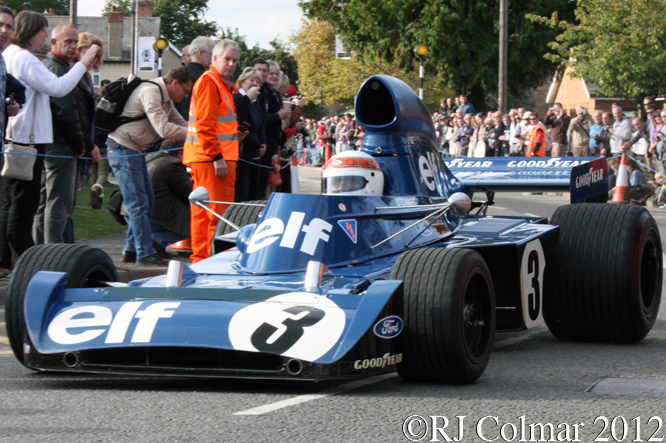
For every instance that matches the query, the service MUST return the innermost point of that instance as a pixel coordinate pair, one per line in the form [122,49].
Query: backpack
[112,104]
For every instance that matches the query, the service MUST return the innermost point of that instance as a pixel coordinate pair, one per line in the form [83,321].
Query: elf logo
[272,230]
[428,167]
[86,323]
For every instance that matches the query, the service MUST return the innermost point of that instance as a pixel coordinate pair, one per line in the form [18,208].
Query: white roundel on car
[298,324]
[531,283]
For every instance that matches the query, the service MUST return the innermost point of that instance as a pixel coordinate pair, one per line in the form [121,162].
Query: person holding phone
[33,125]
[253,146]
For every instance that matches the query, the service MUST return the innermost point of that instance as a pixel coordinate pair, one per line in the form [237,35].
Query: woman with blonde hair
[100,169]
[253,146]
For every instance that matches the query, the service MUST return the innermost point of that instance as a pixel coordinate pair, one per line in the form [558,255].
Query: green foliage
[124,5]
[91,223]
[279,52]
[183,20]
[326,79]
[462,35]
[60,7]
[615,44]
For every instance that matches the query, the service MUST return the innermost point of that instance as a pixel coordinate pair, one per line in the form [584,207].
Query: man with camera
[558,122]
[579,130]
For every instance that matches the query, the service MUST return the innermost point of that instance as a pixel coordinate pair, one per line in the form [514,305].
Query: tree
[616,44]
[182,20]
[124,5]
[280,53]
[462,35]
[60,7]
[327,79]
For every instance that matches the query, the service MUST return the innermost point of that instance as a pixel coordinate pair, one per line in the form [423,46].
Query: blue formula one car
[403,277]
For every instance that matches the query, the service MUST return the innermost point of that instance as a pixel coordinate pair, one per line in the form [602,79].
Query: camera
[243,126]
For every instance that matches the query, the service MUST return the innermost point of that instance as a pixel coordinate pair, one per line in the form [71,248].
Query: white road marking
[663,262]
[523,337]
[531,215]
[6,352]
[498,207]
[305,398]
[4,340]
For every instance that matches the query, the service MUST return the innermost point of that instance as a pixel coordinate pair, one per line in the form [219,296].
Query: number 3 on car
[531,284]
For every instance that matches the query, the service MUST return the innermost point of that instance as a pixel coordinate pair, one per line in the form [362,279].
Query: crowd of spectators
[522,133]
[236,139]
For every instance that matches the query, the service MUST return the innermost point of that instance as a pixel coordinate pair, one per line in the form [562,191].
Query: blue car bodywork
[249,312]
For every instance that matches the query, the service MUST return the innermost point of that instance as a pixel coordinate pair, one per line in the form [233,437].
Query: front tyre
[85,267]
[448,309]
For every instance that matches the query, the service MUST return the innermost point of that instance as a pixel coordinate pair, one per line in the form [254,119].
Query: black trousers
[19,206]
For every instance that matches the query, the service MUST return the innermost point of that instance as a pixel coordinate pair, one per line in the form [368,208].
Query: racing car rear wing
[586,178]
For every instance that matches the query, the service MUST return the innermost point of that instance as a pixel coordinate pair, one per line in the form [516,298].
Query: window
[96,78]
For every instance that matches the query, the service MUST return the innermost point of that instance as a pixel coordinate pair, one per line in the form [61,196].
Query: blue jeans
[130,169]
[164,237]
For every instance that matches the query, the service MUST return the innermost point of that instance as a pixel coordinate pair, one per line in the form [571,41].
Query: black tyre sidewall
[594,289]
[80,262]
[433,342]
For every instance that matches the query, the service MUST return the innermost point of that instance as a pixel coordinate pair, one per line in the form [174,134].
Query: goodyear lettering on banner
[380,362]
[551,163]
[592,176]
[388,327]
[349,226]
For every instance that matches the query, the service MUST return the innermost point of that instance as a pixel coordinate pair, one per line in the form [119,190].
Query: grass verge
[91,223]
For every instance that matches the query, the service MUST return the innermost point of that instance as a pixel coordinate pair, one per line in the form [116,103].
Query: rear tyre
[85,267]
[238,215]
[448,309]
[604,280]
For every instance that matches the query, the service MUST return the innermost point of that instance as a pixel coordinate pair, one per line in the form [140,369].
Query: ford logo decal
[388,327]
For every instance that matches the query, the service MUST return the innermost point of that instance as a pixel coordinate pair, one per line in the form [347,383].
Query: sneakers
[152,260]
[96,196]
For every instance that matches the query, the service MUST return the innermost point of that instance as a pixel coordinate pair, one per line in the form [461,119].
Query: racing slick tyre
[448,309]
[238,215]
[85,267]
[604,280]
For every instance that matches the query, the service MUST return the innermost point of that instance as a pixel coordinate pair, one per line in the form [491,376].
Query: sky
[260,21]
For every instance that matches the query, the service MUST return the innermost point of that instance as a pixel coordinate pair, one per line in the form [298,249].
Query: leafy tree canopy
[60,7]
[183,20]
[327,79]
[279,52]
[462,35]
[616,44]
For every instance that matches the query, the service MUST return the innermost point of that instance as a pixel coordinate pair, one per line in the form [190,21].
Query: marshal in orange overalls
[212,133]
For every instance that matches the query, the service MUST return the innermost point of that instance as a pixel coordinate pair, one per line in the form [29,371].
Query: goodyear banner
[519,173]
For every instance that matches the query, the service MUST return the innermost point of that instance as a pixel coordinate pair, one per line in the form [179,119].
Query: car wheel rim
[649,274]
[476,316]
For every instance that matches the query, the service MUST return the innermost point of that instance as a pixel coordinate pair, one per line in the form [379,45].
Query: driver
[352,173]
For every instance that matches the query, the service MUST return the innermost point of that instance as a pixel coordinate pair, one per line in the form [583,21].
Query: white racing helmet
[352,173]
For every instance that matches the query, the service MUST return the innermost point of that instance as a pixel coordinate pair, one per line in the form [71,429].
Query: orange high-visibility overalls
[212,133]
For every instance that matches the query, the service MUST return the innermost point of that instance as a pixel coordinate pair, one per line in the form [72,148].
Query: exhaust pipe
[294,367]
[70,359]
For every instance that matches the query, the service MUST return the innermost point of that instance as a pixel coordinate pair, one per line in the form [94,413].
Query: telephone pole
[503,56]
[72,12]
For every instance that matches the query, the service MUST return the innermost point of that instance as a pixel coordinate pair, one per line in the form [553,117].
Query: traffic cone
[328,153]
[295,184]
[622,181]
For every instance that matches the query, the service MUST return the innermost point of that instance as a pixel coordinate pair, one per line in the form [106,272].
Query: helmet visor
[344,184]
